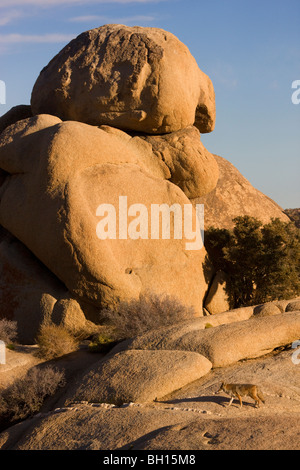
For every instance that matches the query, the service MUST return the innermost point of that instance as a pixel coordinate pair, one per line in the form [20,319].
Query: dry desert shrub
[25,396]
[55,341]
[134,317]
[8,331]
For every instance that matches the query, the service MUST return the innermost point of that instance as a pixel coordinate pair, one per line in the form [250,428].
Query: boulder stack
[116,115]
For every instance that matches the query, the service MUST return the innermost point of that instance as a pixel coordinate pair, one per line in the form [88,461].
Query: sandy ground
[192,418]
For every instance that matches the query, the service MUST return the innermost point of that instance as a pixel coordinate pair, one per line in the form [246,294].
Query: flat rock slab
[88,428]
[169,424]
[227,343]
[270,433]
[135,428]
[139,376]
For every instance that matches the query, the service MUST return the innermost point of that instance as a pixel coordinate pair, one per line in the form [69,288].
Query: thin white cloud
[35,38]
[106,20]
[49,3]
[86,18]
[9,16]
[224,74]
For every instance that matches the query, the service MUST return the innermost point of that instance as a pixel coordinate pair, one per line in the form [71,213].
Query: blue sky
[249,48]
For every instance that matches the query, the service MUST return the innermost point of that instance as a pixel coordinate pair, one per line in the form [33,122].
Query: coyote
[240,390]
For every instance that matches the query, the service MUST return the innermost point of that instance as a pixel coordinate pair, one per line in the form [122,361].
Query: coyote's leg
[240,400]
[257,400]
[230,401]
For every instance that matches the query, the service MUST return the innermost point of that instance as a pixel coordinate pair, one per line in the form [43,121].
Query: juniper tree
[262,262]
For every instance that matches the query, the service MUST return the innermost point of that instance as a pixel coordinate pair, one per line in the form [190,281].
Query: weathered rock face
[31,295]
[248,339]
[266,310]
[189,436]
[191,166]
[217,298]
[293,306]
[234,336]
[191,418]
[136,78]
[234,196]
[162,372]
[61,173]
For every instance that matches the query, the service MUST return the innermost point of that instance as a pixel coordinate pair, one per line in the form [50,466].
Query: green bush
[103,341]
[262,262]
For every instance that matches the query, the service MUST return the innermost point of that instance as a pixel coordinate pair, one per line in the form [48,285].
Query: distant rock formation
[294,215]
[235,196]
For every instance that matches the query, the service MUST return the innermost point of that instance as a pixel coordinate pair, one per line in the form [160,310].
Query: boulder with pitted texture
[143,79]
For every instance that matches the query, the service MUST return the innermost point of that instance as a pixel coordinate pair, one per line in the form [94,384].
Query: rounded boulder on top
[133,78]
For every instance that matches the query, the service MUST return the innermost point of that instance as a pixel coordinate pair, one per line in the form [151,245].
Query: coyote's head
[222,387]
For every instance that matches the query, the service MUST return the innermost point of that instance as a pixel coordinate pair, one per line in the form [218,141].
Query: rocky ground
[191,418]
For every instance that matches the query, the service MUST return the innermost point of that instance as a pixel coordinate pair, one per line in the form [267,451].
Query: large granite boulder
[59,173]
[136,78]
[138,376]
[251,338]
[293,306]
